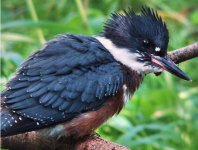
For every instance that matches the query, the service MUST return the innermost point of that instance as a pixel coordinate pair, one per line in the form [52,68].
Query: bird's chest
[131,83]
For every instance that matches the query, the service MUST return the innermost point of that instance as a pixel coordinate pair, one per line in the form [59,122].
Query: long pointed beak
[168,65]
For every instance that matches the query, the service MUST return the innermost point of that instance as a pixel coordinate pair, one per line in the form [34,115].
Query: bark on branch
[33,140]
[185,53]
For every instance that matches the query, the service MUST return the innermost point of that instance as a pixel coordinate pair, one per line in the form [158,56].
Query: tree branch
[33,140]
[185,53]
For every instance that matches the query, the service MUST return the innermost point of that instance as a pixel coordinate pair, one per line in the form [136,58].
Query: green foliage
[164,111]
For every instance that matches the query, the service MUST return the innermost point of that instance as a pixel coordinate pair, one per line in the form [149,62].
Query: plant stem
[35,18]
[83,14]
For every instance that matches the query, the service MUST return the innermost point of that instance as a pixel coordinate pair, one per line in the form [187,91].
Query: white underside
[125,56]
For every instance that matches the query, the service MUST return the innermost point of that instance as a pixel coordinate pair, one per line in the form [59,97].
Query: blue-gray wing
[70,75]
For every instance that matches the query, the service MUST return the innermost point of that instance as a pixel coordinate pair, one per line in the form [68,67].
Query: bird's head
[142,40]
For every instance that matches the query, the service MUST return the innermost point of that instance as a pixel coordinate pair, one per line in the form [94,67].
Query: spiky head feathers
[128,29]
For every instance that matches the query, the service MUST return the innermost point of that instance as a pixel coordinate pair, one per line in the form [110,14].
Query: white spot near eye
[157,49]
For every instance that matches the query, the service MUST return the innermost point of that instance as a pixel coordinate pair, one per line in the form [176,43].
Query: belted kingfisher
[75,83]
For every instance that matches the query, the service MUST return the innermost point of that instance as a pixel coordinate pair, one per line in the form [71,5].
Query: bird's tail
[12,123]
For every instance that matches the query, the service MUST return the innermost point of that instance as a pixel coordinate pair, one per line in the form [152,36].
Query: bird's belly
[87,122]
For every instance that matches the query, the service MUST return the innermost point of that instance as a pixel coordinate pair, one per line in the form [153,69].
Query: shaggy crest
[124,28]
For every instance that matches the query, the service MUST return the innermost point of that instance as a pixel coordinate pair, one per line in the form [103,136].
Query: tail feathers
[12,123]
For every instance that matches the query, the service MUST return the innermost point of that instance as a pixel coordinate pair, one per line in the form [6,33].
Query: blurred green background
[164,111]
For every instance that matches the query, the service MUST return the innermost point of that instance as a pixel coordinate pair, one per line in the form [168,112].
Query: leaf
[124,124]
[16,58]
[7,36]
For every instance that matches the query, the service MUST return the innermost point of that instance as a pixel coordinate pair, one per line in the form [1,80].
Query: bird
[75,83]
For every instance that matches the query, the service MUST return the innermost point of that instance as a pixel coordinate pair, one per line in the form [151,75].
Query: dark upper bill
[169,65]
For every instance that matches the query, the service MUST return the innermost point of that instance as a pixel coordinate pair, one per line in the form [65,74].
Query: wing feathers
[35,86]
[71,74]
[17,99]
[45,98]
[20,85]
[39,92]
[30,102]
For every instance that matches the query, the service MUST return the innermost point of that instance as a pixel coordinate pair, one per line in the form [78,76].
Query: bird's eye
[146,43]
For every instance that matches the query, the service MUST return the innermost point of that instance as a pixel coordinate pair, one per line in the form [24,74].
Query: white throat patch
[124,56]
